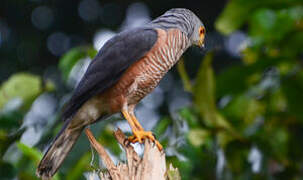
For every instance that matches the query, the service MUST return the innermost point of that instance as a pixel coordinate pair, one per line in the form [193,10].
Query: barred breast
[144,75]
[151,69]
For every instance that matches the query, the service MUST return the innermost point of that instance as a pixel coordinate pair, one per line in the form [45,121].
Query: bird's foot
[140,136]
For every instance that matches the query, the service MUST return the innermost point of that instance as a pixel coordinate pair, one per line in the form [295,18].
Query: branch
[151,166]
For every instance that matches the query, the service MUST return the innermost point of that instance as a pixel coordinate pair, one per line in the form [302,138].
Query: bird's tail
[57,151]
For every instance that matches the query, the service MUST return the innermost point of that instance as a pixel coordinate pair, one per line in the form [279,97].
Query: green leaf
[34,154]
[190,116]
[237,12]
[292,89]
[197,137]
[7,139]
[162,125]
[10,120]
[173,173]
[204,95]
[71,58]
[244,109]
[234,15]
[272,26]
[79,168]
[204,98]
[7,171]
[23,86]
[184,76]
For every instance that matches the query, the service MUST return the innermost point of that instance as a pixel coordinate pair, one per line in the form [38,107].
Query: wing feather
[107,67]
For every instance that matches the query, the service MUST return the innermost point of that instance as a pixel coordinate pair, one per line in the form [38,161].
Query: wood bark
[152,166]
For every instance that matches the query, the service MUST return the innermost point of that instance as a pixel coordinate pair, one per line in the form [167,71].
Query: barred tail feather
[57,151]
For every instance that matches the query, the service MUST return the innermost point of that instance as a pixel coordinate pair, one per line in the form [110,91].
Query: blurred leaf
[204,95]
[236,154]
[184,77]
[236,76]
[71,58]
[277,102]
[162,125]
[243,110]
[237,12]
[7,171]
[292,46]
[173,173]
[271,25]
[7,139]
[292,88]
[34,154]
[190,116]
[239,78]
[107,139]
[272,139]
[79,168]
[10,120]
[24,86]
[234,15]
[197,137]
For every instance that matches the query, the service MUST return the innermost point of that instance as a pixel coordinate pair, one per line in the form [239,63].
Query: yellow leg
[138,131]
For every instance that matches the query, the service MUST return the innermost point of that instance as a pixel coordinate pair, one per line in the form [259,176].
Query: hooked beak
[201,44]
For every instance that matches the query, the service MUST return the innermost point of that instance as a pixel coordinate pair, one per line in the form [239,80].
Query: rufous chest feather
[144,75]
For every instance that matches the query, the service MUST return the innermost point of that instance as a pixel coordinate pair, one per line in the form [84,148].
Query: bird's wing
[107,67]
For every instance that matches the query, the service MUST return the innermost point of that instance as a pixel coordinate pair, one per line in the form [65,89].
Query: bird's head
[186,21]
[198,35]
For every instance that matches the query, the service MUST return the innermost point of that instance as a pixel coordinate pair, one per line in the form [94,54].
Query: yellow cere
[202,35]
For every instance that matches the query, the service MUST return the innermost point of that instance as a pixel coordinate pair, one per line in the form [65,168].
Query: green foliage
[32,153]
[184,76]
[204,92]
[34,156]
[70,59]
[239,12]
[23,86]
[262,98]
[173,173]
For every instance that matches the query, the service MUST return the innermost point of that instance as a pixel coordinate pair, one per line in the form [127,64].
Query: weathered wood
[152,166]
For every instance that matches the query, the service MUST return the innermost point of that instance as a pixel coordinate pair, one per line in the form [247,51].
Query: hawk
[127,68]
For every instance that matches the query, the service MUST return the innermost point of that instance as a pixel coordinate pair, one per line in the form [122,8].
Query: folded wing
[110,63]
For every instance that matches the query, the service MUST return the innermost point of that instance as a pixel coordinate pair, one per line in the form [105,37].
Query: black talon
[154,136]
[126,142]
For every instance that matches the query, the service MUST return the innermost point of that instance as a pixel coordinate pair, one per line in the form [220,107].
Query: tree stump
[152,166]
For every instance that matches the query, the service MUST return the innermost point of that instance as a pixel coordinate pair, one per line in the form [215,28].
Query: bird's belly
[143,84]
[138,81]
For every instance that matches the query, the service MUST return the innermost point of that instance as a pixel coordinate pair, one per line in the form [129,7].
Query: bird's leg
[143,134]
[139,133]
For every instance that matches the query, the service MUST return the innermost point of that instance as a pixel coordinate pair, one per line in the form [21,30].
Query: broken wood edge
[100,150]
[151,166]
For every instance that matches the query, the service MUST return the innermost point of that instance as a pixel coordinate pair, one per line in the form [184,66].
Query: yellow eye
[202,31]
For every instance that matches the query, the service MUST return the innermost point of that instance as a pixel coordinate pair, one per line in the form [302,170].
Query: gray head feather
[180,18]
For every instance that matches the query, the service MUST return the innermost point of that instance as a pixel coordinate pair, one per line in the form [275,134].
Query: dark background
[25,46]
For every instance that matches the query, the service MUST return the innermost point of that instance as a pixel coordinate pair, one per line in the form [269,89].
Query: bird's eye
[202,30]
